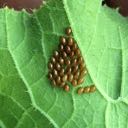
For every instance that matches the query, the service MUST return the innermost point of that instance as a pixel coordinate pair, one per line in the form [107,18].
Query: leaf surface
[26,44]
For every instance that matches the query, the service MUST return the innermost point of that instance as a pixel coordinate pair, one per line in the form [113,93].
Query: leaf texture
[27,99]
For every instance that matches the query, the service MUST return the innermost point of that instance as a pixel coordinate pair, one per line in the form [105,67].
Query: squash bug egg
[68,30]
[62,72]
[71,54]
[56,54]
[83,73]
[58,67]
[86,89]
[80,60]
[55,73]
[68,70]
[80,90]
[67,62]
[82,66]
[80,81]
[74,82]
[75,69]
[74,47]
[58,80]
[62,84]
[50,66]
[53,60]
[54,82]
[66,88]
[64,78]
[68,49]
[70,41]
[64,54]
[61,60]
[92,88]
[78,53]
[70,77]
[63,40]
[50,76]
[76,75]
[61,47]
[74,62]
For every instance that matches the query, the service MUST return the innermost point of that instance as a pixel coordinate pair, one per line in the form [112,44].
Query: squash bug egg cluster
[88,89]
[67,64]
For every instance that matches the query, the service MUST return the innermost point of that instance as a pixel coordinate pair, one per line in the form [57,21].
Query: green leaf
[27,99]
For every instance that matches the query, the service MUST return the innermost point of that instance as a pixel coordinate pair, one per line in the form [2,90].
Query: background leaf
[27,42]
